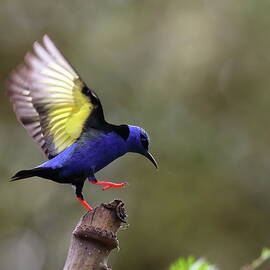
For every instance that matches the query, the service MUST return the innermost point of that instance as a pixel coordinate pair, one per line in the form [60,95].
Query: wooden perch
[95,236]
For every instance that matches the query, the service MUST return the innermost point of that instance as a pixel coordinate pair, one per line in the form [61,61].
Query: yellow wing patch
[66,122]
[47,97]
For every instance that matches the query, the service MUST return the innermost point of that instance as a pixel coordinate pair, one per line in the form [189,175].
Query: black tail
[42,172]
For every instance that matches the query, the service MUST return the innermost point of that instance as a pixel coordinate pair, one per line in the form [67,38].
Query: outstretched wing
[50,99]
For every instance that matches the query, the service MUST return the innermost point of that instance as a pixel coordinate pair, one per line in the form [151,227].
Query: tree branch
[95,236]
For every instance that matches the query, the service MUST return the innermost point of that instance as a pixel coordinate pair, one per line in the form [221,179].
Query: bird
[65,118]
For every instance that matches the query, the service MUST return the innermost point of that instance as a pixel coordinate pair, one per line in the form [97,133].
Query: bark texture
[95,236]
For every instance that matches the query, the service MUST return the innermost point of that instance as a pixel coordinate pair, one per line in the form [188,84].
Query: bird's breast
[91,155]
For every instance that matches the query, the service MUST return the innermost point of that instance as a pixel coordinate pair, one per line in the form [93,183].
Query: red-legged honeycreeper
[65,118]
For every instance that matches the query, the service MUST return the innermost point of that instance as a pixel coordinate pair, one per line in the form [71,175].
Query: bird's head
[138,142]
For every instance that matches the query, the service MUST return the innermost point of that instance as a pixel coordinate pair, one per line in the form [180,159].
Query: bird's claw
[113,185]
[85,204]
[108,184]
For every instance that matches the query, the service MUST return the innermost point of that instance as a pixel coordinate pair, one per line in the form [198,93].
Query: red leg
[85,204]
[107,184]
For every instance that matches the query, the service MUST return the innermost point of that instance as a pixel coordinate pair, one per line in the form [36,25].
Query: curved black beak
[151,158]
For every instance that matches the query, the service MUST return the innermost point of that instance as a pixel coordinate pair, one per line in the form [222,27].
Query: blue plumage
[89,155]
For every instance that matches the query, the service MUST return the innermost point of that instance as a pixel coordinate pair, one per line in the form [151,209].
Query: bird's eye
[144,142]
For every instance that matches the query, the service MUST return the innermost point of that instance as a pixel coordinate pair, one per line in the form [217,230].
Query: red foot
[85,204]
[108,184]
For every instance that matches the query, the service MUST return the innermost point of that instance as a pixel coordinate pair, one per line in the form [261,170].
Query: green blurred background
[195,75]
